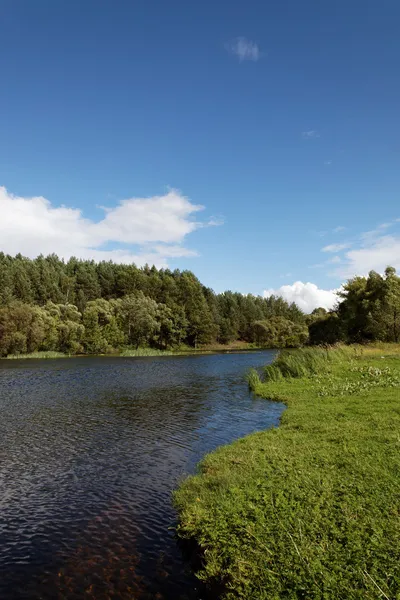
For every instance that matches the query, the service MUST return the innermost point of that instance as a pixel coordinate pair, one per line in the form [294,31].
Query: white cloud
[307,296]
[244,49]
[310,134]
[373,250]
[375,255]
[339,229]
[136,230]
[335,247]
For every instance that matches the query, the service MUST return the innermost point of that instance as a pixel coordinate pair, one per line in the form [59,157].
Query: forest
[80,306]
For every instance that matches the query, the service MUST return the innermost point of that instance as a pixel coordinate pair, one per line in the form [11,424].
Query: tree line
[82,306]
[368,310]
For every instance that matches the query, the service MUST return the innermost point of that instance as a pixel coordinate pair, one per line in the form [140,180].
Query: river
[91,449]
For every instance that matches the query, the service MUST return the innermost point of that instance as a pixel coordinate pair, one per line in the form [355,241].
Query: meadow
[309,509]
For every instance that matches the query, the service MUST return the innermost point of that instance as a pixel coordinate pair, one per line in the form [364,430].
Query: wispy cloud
[376,256]
[373,233]
[336,247]
[335,260]
[215,222]
[244,49]
[372,250]
[327,163]
[141,230]
[339,229]
[310,134]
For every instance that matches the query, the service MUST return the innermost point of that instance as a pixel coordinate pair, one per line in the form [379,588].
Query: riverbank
[309,509]
[37,355]
[132,352]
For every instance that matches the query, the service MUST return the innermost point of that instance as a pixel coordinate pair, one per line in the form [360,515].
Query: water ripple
[90,451]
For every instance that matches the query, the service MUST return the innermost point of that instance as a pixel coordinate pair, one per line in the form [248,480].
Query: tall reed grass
[305,362]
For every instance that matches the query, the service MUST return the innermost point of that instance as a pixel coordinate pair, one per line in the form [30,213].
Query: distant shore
[138,352]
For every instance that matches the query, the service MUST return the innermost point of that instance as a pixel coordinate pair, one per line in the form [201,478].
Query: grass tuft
[253,379]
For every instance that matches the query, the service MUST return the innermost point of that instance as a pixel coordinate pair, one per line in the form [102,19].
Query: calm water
[90,450]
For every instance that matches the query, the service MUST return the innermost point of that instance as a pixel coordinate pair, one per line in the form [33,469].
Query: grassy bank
[182,350]
[238,346]
[145,352]
[45,354]
[309,509]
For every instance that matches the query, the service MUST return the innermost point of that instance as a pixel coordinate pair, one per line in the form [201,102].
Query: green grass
[311,509]
[44,354]
[146,352]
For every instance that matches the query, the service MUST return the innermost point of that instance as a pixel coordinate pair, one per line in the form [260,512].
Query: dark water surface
[90,451]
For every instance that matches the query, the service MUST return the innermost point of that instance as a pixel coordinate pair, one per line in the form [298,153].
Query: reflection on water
[90,450]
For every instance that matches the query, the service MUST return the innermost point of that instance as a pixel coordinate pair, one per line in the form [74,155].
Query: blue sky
[119,119]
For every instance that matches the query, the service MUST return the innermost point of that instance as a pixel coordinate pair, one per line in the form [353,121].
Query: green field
[310,509]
